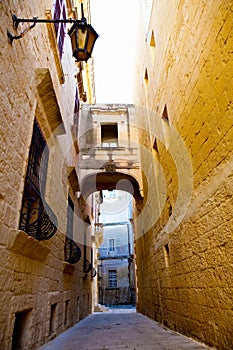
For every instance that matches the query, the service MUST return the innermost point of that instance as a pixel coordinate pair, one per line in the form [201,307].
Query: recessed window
[20,337]
[112,278]
[109,135]
[170,210]
[146,76]
[166,254]
[67,303]
[111,245]
[165,114]
[53,316]
[78,309]
[152,39]
[155,145]
[166,127]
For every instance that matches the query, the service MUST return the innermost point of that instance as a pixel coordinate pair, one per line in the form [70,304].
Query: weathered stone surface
[20,243]
[185,259]
[31,88]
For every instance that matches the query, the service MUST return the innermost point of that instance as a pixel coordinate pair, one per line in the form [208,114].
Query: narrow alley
[116,174]
[120,329]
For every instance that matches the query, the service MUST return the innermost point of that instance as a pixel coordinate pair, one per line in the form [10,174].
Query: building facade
[45,241]
[183,102]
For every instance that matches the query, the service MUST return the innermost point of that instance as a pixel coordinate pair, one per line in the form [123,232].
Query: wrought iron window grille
[72,251]
[93,272]
[70,218]
[87,267]
[37,219]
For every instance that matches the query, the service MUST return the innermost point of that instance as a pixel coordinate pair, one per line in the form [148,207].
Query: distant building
[109,165]
[116,272]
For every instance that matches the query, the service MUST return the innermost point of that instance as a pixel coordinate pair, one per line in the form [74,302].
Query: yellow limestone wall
[33,274]
[184,241]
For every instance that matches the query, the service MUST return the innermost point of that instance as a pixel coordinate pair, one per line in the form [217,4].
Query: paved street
[120,329]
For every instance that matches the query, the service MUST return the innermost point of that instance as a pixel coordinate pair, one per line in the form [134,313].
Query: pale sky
[115,21]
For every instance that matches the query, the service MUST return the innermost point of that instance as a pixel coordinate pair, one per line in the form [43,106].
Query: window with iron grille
[60,28]
[70,218]
[37,218]
[38,160]
[112,278]
[71,249]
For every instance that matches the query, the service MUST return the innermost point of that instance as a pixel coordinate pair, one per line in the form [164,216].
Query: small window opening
[78,309]
[165,114]
[152,39]
[146,75]
[111,245]
[166,128]
[67,303]
[155,145]
[166,254]
[53,314]
[170,210]
[20,337]
[109,135]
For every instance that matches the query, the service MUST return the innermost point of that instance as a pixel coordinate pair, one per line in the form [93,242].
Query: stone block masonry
[186,251]
[41,295]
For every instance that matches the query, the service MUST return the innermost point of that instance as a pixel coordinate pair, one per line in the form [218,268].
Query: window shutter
[57,13]
[60,13]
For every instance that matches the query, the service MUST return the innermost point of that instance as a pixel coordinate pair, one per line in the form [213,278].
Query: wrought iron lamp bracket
[34,20]
[82,48]
[16,22]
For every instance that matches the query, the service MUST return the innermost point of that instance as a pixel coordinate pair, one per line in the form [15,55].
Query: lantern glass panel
[81,38]
[91,40]
[73,40]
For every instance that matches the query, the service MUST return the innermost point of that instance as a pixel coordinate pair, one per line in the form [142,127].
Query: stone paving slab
[116,330]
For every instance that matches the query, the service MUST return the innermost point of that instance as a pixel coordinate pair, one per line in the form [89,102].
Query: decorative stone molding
[72,251]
